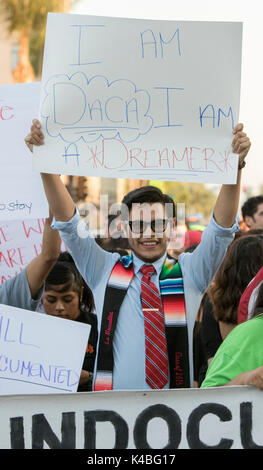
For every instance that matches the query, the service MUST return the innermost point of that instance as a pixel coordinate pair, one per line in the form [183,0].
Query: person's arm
[226,206]
[251,377]
[25,289]
[202,264]
[85,381]
[58,197]
[38,269]
[91,260]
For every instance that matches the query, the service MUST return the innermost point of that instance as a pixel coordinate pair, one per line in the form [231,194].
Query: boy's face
[148,231]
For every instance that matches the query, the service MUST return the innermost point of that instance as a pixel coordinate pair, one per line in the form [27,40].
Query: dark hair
[65,273]
[251,205]
[242,261]
[150,194]
[191,248]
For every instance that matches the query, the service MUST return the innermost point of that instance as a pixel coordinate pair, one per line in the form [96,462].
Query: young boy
[146,303]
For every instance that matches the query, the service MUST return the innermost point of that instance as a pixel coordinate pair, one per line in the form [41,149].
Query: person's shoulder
[247,331]
[252,323]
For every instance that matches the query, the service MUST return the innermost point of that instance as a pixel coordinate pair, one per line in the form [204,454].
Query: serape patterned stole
[172,295]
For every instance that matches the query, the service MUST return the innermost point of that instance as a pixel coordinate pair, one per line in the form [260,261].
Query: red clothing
[247,301]
[191,237]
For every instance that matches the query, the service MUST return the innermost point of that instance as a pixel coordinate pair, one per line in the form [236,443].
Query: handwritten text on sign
[221,418]
[21,191]
[20,242]
[39,353]
[140,98]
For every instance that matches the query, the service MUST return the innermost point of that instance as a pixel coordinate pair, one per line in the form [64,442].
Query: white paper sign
[20,242]
[40,353]
[21,191]
[219,418]
[140,99]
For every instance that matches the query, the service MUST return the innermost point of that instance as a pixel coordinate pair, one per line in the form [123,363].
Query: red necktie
[156,360]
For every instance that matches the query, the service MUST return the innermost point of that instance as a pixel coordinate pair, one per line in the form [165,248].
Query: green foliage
[31,16]
[196,196]
[28,14]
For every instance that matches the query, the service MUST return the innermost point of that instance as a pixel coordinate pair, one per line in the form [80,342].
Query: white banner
[219,418]
[144,99]
[20,242]
[40,353]
[21,192]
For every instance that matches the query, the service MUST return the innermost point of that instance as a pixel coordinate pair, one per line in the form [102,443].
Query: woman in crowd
[67,296]
[239,360]
[243,259]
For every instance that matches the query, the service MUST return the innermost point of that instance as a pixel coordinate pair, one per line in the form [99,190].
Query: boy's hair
[250,207]
[149,194]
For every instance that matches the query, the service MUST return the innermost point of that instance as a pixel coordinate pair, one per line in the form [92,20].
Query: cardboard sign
[20,242]
[144,99]
[40,353]
[21,191]
[219,418]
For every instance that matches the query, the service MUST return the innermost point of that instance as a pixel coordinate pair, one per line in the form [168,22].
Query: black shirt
[89,359]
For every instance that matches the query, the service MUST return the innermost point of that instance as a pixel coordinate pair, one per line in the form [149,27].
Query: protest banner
[216,418]
[20,242]
[21,192]
[40,353]
[143,99]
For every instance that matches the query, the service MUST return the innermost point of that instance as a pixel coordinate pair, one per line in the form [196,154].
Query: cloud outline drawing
[98,108]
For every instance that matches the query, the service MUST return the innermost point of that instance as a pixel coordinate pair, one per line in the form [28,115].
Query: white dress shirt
[95,265]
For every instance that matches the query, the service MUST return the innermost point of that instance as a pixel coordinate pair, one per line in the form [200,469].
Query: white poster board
[144,99]
[219,418]
[20,242]
[40,353]
[21,191]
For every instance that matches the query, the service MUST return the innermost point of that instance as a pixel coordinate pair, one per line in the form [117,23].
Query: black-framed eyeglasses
[157,225]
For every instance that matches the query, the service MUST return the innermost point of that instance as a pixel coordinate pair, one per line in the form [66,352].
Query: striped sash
[172,295]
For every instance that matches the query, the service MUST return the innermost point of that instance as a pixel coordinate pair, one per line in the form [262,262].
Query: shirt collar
[138,263]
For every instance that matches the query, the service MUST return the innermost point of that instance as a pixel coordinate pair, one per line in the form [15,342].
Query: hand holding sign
[139,98]
[240,143]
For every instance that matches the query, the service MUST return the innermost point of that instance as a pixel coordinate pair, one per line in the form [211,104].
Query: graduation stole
[172,296]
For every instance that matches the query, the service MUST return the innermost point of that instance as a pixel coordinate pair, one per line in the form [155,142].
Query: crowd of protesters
[147,306]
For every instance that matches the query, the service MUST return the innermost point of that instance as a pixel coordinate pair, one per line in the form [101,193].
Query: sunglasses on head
[157,225]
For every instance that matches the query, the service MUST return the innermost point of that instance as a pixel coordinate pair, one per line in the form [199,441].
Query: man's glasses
[157,225]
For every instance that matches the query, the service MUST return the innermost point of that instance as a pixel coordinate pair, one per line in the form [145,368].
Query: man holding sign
[146,303]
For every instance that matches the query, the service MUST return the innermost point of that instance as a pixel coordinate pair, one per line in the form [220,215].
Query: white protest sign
[219,418]
[144,99]
[20,242]
[40,353]
[21,192]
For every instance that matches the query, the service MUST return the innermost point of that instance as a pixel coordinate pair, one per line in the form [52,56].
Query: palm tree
[27,17]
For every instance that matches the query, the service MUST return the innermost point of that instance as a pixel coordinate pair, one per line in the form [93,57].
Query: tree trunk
[24,70]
